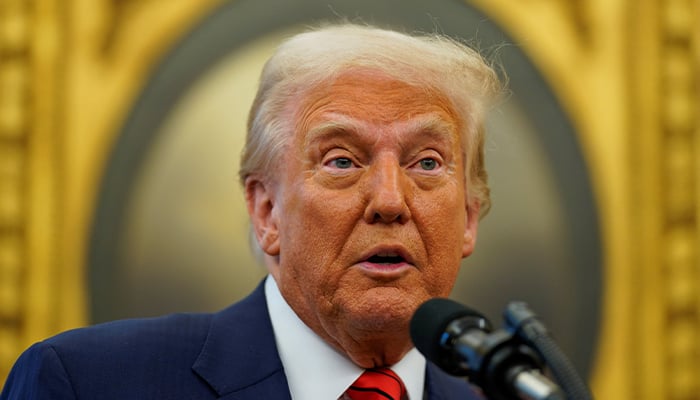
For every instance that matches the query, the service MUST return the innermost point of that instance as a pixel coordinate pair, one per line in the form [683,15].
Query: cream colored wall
[627,72]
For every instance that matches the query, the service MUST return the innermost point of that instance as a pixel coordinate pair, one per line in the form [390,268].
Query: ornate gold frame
[627,72]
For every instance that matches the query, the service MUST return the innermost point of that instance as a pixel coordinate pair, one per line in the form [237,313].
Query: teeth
[387,254]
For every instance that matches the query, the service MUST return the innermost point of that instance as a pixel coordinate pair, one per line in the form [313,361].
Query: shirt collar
[308,358]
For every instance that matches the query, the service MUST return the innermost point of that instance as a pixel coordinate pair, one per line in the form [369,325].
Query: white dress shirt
[308,359]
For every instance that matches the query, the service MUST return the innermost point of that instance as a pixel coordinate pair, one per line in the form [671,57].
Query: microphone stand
[502,366]
[525,325]
[507,364]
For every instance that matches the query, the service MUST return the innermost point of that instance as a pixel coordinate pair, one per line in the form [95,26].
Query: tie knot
[377,384]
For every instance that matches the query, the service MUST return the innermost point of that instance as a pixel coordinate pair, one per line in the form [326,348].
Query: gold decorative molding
[69,71]
[669,365]
[15,127]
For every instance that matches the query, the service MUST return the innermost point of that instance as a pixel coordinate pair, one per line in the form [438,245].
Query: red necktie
[377,384]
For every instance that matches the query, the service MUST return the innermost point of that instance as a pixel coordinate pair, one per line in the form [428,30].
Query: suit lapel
[239,358]
[441,386]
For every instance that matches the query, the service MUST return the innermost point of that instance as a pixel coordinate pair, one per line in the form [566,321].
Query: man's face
[368,216]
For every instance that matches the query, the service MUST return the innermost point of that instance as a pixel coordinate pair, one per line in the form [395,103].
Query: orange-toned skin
[358,178]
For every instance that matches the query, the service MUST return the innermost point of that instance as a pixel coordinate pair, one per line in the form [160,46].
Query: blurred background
[121,124]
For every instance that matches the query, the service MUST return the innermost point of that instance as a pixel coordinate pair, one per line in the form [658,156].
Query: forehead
[376,99]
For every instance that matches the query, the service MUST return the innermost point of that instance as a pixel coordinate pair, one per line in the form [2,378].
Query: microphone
[460,341]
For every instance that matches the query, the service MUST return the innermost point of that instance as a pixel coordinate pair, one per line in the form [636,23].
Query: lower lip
[385,270]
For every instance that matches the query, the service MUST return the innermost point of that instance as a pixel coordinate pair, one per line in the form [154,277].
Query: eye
[428,164]
[341,163]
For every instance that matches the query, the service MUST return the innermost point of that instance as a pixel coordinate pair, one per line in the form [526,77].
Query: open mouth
[386,259]
[387,263]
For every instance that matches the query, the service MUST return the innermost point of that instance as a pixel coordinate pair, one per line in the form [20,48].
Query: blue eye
[428,164]
[342,163]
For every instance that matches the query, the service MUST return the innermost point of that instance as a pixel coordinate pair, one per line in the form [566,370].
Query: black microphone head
[429,329]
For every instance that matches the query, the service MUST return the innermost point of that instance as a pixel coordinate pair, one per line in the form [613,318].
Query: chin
[380,319]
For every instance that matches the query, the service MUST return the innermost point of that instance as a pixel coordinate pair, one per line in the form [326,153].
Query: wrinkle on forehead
[429,125]
[376,99]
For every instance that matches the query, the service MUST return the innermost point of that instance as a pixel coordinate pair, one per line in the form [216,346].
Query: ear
[260,201]
[470,228]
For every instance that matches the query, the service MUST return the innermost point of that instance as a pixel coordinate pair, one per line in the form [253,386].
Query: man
[364,181]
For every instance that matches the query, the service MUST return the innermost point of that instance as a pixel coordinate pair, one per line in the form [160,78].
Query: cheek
[314,230]
[442,231]
[443,216]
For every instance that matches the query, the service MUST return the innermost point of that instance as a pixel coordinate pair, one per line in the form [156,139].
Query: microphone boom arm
[506,364]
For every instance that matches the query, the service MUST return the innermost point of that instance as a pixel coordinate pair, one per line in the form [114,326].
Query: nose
[387,192]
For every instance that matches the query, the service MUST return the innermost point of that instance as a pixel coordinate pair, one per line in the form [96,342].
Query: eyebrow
[434,126]
[329,130]
[429,124]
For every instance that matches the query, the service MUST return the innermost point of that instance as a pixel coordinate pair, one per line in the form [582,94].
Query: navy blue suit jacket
[227,355]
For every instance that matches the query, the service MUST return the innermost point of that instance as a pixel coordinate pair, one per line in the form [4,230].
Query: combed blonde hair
[316,57]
